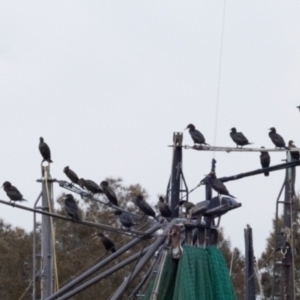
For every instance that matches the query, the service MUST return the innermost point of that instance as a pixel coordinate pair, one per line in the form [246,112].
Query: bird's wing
[71,207]
[240,137]
[197,136]
[276,138]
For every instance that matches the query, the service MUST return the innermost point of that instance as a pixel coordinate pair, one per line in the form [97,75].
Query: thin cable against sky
[219,78]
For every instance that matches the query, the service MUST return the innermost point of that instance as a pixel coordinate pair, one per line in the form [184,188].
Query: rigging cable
[219,78]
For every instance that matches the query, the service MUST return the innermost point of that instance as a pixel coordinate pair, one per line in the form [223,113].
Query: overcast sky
[106,83]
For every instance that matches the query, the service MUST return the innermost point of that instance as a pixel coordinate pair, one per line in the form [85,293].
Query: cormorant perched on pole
[12,192]
[45,151]
[107,243]
[277,139]
[216,184]
[164,208]
[145,207]
[239,138]
[196,135]
[294,154]
[90,185]
[125,219]
[71,207]
[265,160]
[109,192]
[71,175]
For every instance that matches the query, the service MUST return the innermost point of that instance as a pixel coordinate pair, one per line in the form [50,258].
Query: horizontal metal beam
[261,171]
[234,149]
[102,263]
[86,223]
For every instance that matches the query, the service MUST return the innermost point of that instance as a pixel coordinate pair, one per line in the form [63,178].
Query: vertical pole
[287,282]
[208,196]
[47,250]
[249,265]
[176,173]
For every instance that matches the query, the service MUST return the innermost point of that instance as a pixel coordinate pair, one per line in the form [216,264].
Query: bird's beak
[185,128]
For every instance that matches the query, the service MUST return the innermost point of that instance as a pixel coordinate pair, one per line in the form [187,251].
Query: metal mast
[46,236]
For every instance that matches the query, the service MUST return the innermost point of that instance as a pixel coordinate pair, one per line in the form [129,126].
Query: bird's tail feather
[24,200]
[231,196]
[287,148]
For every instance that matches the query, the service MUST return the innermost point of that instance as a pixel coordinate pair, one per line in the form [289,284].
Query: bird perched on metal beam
[71,207]
[12,192]
[45,151]
[125,219]
[196,135]
[277,139]
[71,175]
[90,186]
[216,184]
[295,154]
[164,208]
[107,242]
[265,160]
[109,193]
[145,207]
[239,138]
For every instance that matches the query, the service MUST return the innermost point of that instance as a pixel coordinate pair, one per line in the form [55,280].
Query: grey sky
[107,82]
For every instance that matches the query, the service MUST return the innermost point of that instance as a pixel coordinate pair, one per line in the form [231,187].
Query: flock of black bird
[125,219]
[241,140]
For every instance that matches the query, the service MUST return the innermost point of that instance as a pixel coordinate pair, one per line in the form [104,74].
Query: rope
[52,230]
[219,78]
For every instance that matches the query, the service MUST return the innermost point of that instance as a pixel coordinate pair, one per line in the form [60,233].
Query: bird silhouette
[12,192]
[277,139]
[265,160]
[107,242]
[164,208]
[71,207]
[45,151]
[109,193]
[217,184]
[71,175]
[295,154]
[125,219]
[90,186]
[239,138]
[196,135]
[141,203]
